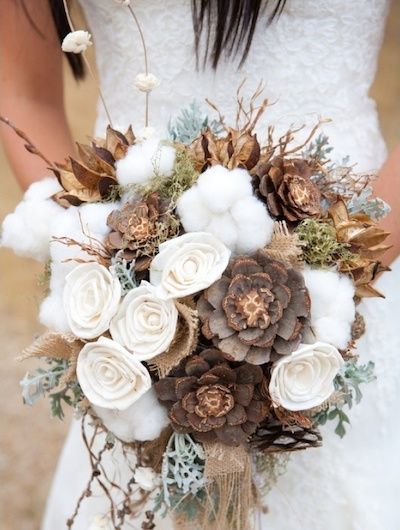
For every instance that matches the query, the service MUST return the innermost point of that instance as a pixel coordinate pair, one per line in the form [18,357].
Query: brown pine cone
[286,187]
[258,309]
[212,400]
[136,230]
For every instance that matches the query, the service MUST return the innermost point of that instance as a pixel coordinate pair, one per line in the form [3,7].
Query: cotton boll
[144,160]
[220,188]
[142,421]
[94,216]
[334,331]
[27,230]
[253,223]
[193,212]
[332,305]
[52,314]
[42,189]
[223,227]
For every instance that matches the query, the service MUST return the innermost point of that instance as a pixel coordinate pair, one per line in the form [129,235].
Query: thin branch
[29,145]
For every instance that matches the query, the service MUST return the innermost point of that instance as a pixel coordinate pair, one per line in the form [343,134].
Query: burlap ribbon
[284,246]
[61,346]
[184,344]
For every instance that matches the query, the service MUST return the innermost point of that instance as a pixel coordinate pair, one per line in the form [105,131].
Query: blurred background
[29,440]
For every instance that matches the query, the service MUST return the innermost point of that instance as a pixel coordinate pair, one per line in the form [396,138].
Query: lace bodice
[318,59]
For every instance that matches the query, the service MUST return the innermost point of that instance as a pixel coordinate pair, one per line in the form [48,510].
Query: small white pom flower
[123,2]
[146,82]
[77,42]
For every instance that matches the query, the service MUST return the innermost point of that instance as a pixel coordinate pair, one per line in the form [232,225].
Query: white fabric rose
[145,324]
[76,41]
[305,379]
[91,297]
[188,264]
[110,376]
[146,82]
[146,478]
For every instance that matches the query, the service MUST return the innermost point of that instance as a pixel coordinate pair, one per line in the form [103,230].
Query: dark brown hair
[226,26]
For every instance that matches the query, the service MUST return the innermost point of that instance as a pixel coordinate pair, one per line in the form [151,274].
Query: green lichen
[320,246]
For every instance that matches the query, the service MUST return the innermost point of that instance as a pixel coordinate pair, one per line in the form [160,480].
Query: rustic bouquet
[202,307]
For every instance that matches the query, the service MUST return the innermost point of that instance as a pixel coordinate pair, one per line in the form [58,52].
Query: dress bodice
[318,59]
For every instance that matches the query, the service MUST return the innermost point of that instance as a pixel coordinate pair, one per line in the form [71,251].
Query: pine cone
[273,437]
[285,186]
[212,400]
[92,176]
[258,309]
[136,230]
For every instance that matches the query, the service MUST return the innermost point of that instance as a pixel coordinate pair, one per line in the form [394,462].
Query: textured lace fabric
[318,59]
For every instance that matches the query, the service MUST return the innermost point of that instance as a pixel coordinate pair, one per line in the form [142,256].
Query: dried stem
[29,145]
[88,65]
[146,58]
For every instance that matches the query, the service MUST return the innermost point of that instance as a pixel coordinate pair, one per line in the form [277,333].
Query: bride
[316,58]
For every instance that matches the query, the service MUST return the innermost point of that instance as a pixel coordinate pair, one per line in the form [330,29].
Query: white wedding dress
[318,59]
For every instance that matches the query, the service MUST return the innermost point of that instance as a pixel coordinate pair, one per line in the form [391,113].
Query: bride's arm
[388,188]
[31,87]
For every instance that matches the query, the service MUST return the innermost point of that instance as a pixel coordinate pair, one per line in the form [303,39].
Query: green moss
[320,246]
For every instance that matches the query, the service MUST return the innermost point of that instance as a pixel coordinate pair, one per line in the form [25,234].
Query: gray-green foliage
[183,466]
[190,123]
[319,149]
[44,381]
[125,272]
[374,207]
[347,384]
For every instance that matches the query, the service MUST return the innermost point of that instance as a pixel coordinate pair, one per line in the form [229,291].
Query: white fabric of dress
[317,60]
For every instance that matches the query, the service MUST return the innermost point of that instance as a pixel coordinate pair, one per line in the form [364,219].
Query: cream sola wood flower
[145,324]
[91,298]
[188,264]
[305,378]
[222,203]
[110,376]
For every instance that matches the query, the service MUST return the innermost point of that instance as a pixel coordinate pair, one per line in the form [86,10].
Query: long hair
[226,26]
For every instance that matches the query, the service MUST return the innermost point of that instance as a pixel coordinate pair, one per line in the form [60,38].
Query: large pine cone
[213,400]
[259,308]
[285,186]
[136,230]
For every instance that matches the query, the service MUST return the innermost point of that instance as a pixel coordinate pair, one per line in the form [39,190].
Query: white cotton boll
[223,227]
[42,189]
[142,421]
[193,212]
[335,331]
[52,314]
[94,216]
[254,224]
[144,160]
[27,230]
[332,305]
[215,189]
[241,184]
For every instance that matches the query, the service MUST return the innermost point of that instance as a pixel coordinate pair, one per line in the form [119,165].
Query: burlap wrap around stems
[230,495]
